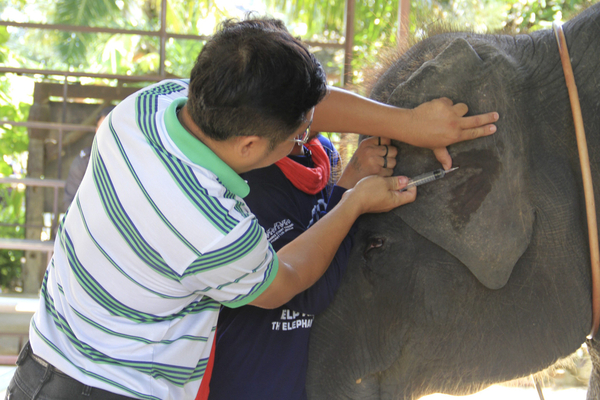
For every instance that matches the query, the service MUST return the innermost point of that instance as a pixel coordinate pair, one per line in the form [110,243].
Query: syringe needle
[428,177]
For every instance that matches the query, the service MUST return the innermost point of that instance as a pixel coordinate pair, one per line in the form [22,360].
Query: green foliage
[376,28]
[12,213]
[178,56]
[13,144]
[75,48]
[376,22]
[125,54]
[13,140]
[474,15]
[530,15]
[3,39]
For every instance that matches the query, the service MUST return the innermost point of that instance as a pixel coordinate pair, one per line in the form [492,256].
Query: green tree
[529,15]
[13,145]
[376,29]
[11,216]
[376,22]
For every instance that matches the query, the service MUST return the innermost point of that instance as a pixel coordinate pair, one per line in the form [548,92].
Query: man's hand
[375,194]
[440,123]
[374,156]
[299,268]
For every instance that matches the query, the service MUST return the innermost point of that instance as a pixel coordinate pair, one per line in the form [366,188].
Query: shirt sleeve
[237,268]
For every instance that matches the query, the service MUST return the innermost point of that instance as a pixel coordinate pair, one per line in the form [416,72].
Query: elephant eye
[374,243]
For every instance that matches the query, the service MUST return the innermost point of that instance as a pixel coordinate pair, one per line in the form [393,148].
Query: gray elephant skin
[486,276]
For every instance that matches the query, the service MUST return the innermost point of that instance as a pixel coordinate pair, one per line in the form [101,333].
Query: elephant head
[485,277]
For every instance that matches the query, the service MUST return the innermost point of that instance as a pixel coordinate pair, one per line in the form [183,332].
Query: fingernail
[402,180]
[493,128]
[496,116]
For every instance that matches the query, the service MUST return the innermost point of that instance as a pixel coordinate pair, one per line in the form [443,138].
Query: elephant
[486,276]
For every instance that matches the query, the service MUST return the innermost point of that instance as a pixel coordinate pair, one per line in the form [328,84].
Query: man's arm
[305,259]
[433,125]
[317,297]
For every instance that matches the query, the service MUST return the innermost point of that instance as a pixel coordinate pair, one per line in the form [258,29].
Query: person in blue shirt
[261,353]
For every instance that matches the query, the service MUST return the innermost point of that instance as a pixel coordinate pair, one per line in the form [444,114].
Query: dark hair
[104,112]
[254,78]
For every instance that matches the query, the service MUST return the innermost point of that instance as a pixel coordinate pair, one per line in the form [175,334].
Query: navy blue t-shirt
[263,354]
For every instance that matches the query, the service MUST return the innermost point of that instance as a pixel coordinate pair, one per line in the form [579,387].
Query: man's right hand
[375,194]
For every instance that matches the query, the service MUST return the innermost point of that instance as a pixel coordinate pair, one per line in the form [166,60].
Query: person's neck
[220,148]
[185,119]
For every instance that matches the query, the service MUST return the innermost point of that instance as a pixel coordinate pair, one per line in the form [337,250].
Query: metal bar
[91,29]
[139,78]
[8,360]
[163,37]
[349,44]
[54,227]
[23,225]
[79,91]
[50,125]
[26,244]
[60,130]
[324,44]
[58,183]
[403,21]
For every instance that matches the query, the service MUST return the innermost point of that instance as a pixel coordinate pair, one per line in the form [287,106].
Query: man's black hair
[254,78]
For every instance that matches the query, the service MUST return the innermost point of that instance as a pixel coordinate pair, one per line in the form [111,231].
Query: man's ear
[248,147]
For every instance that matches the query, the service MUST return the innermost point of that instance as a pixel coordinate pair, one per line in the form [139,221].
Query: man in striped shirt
[158,236]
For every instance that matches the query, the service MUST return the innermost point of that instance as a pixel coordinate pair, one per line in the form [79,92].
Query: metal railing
[16,312]
[64,89]
[30,244]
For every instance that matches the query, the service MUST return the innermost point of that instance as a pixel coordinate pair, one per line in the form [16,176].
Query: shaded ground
[566,380]
[498,392]
[6,374]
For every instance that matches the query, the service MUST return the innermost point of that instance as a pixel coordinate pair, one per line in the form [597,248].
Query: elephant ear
[480,213]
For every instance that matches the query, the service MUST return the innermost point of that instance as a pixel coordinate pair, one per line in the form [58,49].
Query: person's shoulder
[166,87]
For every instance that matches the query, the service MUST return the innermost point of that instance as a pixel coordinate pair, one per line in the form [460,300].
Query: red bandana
[309,180]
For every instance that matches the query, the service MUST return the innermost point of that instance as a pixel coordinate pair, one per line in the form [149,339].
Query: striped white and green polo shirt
[156,239]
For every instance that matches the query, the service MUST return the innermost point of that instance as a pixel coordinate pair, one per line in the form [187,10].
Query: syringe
[428,177]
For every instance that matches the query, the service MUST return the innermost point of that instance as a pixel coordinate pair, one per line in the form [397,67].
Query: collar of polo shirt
[199,153]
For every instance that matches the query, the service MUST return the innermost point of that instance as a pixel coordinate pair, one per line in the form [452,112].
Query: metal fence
[163,35]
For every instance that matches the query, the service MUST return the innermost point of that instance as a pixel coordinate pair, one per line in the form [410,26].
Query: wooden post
[403,21]
[35,261]
[348,73]
[349,43]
